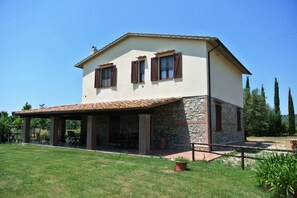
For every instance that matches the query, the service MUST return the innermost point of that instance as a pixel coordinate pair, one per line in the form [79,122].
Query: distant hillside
[286,117]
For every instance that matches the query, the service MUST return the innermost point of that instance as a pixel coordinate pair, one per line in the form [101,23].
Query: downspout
[209,96]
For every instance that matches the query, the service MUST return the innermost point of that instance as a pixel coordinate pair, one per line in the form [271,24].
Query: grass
[39,171]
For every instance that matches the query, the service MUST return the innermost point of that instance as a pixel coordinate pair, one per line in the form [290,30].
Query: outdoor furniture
[72,138]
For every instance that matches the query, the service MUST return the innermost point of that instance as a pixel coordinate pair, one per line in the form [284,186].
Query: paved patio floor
[171,154]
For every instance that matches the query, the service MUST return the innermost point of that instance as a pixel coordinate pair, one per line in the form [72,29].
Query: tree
[247,109]
[278,121]
[27,106]
[259,124]
[263,93]
[247,83]
[292,128]
[5,126]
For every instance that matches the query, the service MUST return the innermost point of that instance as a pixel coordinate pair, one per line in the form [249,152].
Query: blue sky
[40,41]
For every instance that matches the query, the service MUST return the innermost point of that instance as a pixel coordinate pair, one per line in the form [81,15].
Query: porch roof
[142,104]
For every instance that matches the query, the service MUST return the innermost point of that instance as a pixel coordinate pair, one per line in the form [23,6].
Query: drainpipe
[209,96]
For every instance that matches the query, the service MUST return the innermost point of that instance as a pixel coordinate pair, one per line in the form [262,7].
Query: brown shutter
[177,65]
[97,78]
[134,72]
[154,69]
[218,117]
[113,76]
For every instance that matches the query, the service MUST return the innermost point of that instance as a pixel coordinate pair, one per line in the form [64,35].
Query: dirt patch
[272,142]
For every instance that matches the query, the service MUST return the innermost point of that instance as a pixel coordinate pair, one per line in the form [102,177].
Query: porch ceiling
[125,105]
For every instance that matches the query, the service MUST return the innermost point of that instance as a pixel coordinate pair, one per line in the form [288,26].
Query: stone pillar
[144,133]
[91,132]
[62,130]
[83,130]
[54,130]
[26,130]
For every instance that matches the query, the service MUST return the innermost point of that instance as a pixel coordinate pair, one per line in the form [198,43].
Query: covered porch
[120,124]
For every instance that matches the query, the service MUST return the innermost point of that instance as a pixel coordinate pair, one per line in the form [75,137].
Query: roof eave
[125,36]
[225,51]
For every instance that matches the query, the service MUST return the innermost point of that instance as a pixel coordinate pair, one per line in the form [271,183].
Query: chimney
[93,50]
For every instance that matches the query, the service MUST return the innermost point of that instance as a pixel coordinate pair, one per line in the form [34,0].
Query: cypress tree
[292,128]
[278,121]
[263,94]
[247,109]
[265,112]
[247,83]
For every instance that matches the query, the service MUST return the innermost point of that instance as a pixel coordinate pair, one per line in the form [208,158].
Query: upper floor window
[137,71]
[105,77]
[166,67]
[141,70]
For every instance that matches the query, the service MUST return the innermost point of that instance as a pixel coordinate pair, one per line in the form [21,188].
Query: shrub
[181,159]
[278,171]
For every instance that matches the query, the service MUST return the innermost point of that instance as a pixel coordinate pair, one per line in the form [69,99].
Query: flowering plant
[293,143]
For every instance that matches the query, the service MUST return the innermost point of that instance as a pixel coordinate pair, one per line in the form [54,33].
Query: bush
[278,171]
[181,159]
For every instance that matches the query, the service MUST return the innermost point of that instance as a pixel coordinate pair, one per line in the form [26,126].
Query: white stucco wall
[226,80]
[192,83]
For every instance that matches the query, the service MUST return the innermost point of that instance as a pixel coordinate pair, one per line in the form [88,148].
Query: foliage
[292,123]
[5,125]
[72,124]
[278,171]
[247,83]
[58,172]
[255,114]
[278,121]
[181,159]
[27,106]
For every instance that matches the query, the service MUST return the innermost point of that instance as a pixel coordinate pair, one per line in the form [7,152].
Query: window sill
[166,79]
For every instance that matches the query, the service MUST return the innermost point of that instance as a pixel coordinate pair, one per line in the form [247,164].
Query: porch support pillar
[144,133]
[26,130]
[91,132]
[62,130]
[54,130]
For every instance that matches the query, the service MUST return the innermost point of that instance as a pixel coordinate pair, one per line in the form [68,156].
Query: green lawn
[39,171]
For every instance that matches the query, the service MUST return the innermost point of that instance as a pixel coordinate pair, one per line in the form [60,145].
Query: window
[238,120]
[141,70]
[218,117]
[166,67]
[105,77]
[137,71]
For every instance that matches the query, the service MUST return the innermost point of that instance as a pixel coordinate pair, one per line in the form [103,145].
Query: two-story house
[155,87]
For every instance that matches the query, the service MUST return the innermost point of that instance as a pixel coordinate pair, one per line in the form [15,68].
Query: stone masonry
[180,123]
[229,133]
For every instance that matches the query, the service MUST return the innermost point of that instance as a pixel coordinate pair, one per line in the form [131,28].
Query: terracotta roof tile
[100,106]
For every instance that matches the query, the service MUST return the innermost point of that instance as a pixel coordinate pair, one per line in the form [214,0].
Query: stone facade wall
[180,123]
[229,133]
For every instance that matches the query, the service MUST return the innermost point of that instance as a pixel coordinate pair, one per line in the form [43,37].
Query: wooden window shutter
[134,72]
[113,76]
[218,117]
[154,69]
[177,65]
[97,78]
[238,120]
